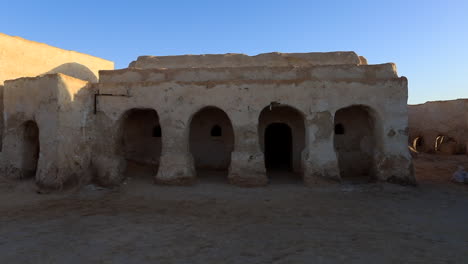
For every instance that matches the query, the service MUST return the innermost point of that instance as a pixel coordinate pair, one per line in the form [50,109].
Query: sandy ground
[213,222]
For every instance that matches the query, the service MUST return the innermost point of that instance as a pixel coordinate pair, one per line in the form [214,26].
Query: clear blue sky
[427,39]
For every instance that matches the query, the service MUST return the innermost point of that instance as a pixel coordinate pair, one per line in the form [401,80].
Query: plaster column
[107,163]
[392,159]
[247,162]
[319,159]
[176,166]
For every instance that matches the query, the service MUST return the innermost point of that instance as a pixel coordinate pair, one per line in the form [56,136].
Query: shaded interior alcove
[140,142]
[211,142]
[355,142]
[30,149]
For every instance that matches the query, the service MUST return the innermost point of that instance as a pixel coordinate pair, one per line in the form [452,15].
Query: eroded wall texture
[178,118]
[433,120]
[302,91]
[46,126]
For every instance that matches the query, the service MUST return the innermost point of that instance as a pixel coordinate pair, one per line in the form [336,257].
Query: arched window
[157,131]
[339,129]
[216,131]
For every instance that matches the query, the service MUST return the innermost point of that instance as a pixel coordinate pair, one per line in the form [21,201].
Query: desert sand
[213,222]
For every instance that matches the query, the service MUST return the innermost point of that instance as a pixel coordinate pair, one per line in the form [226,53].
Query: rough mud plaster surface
[23,58]
[242,102]
[346,72]
[218,223]
[86,131]
[242,60]
[323,121]
[59,105]
[440,118]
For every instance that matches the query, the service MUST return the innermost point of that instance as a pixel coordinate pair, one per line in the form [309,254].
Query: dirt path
[217,223]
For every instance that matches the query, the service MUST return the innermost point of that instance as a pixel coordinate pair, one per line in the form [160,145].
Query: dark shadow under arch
[31,149]
[355,147]
[278,147]
[281,132]
[140,142]
[211,142]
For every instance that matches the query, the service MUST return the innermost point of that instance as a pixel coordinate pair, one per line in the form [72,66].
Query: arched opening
[355,145]
[418,143]
[31,149]
[445,145]
[140,142]
[282,140]
[211,142]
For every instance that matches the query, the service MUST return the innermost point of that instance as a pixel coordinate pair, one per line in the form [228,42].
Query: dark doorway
[278,147]
[30,149]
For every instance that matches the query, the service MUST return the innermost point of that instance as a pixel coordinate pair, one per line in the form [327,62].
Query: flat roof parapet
[363,73]
[241,60]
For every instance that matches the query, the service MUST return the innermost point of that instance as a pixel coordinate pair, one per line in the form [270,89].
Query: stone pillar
[107,162]
[247,160]
[392,159]
[319,160]
[176,166]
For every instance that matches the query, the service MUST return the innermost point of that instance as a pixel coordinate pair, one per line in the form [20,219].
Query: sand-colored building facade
[321,117]
[20,57]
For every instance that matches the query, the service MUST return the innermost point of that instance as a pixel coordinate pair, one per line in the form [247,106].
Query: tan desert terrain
[213,222]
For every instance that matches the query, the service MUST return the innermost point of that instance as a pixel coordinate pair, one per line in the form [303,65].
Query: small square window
[339,129]
[216,131]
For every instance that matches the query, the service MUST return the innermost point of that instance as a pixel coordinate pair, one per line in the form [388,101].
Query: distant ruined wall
[440,118]
[24,58]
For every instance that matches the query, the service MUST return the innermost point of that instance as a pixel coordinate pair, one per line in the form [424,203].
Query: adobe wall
[81,125]
[317,92]
[24,58]
[363,73]
[274,59]
[59,106]
[440,118]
